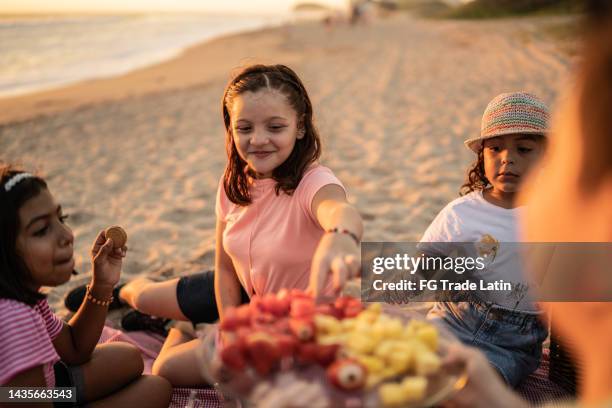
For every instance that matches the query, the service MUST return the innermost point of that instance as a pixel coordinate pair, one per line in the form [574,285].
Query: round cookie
[117,234]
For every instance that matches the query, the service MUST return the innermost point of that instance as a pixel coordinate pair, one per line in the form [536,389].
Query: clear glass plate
[300,386]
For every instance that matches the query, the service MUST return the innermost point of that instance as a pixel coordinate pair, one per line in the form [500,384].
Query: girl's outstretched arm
[227,286]
[338,253]
[79,337]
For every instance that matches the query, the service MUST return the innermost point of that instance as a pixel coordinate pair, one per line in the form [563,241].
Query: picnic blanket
[538,388]
[150,344]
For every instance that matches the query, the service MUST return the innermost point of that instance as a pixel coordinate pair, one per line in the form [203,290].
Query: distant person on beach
[283,220]
[506,327]
[37,349]
[569,199]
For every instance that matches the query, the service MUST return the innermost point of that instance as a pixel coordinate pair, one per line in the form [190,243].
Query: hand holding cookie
[117,235]
[107,255]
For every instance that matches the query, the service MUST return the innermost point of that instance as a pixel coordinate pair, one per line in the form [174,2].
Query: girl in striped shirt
[37,349]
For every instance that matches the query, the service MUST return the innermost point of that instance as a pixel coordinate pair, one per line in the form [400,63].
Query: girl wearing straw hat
[483,222]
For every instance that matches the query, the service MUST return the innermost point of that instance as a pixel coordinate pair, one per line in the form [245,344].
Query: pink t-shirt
[271,242]
[26,339]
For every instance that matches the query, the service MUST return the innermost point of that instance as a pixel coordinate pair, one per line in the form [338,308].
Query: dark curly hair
[13,270]
[476,179]
[306,151]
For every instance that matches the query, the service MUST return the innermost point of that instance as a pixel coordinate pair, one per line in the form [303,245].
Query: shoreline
[177,72]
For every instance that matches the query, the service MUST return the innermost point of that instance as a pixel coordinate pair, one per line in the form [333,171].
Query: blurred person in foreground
[577,207]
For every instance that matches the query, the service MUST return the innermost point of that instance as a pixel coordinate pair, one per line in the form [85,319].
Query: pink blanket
[150,344]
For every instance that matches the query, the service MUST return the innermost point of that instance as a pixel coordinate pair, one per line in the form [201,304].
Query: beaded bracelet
[97,301]
[344,231]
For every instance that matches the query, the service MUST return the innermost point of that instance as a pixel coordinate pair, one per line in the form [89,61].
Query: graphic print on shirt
[487,247]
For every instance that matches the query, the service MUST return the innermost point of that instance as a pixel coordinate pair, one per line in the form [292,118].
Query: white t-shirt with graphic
[472,219]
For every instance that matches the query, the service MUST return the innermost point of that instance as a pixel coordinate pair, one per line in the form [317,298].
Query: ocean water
[38,53]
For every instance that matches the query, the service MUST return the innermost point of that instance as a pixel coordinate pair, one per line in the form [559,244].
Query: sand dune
[393,101]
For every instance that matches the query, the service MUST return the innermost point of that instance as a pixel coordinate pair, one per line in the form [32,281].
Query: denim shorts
[511,340]
[196,297]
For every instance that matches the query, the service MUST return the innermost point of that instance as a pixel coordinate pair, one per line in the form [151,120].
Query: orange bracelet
[97,301]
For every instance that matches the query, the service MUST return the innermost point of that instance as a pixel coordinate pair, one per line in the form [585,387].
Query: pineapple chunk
[374,365]
[391,394]
[409,332]
[429,336]
[377,332]
[401,361]
[348,324]
[365,320]
[331,339]
[390,371]
[372,380]
[426,362]
[414,388]
[394,328]
[375,308]
[385,349]
[327,324]
[361,343]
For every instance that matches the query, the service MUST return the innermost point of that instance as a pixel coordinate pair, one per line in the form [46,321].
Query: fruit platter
[288,350]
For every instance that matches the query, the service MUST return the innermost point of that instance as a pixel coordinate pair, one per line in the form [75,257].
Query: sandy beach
[393,101]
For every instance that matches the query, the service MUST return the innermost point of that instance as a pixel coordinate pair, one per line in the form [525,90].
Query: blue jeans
[511,340]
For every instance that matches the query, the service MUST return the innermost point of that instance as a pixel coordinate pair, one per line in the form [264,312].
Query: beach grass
[424,8]
[483,9]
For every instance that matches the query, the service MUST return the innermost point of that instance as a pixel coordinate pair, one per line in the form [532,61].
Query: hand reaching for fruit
[337,257]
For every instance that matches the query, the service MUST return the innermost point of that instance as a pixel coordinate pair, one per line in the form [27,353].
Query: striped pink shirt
[26,339]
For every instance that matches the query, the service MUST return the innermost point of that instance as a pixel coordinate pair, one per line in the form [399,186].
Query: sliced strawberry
[263,318]
[263,352]
[329,310]
[302,308]
[277,306]
[244,315]
[284,294]
[302,329]
[348,306]
[241,335]
[230,321]
[326,354]
[281,306]
[342,302]
[281,326]
[266,302]
[352,310]
[298,294]
[232,356]
[307,353]
[287,345]
[325,309]
[255,304]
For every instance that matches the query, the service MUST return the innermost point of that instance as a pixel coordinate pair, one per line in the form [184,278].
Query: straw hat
[512,113]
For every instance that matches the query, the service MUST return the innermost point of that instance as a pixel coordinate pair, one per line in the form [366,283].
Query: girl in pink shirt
[283,220]
[280,215]
[37,349]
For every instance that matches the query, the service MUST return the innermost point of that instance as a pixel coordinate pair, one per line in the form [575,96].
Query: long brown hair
[306,151]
